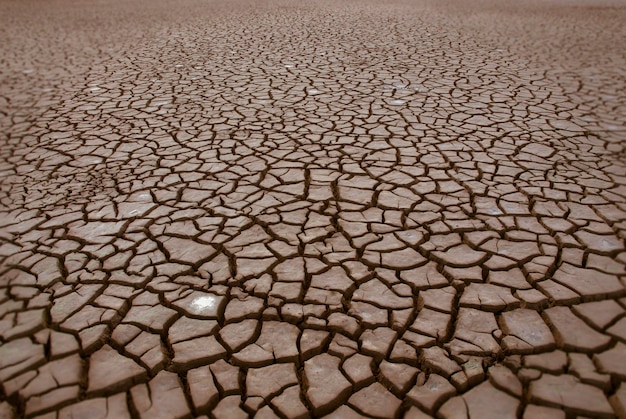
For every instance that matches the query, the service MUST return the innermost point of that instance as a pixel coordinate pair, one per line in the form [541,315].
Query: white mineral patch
[201,304]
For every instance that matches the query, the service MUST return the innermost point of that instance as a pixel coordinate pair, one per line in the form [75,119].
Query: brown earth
[290,208]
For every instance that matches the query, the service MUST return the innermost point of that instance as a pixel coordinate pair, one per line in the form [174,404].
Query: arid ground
[300,208]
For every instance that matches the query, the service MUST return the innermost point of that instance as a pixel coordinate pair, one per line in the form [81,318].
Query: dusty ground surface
[301,208]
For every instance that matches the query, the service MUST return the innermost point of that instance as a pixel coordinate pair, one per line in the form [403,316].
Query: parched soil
[300,208]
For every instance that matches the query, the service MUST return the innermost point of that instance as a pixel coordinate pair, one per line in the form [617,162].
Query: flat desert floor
[294,208]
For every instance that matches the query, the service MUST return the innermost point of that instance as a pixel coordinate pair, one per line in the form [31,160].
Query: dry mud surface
[291,208]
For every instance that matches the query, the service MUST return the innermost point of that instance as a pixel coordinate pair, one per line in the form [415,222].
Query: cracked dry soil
[295,209]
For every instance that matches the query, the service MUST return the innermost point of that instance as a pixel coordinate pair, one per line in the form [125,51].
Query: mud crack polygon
[296,209]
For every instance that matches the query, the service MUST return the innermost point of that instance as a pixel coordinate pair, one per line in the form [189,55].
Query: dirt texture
[290,208]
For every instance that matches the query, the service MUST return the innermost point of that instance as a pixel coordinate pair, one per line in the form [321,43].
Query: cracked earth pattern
[299,209]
